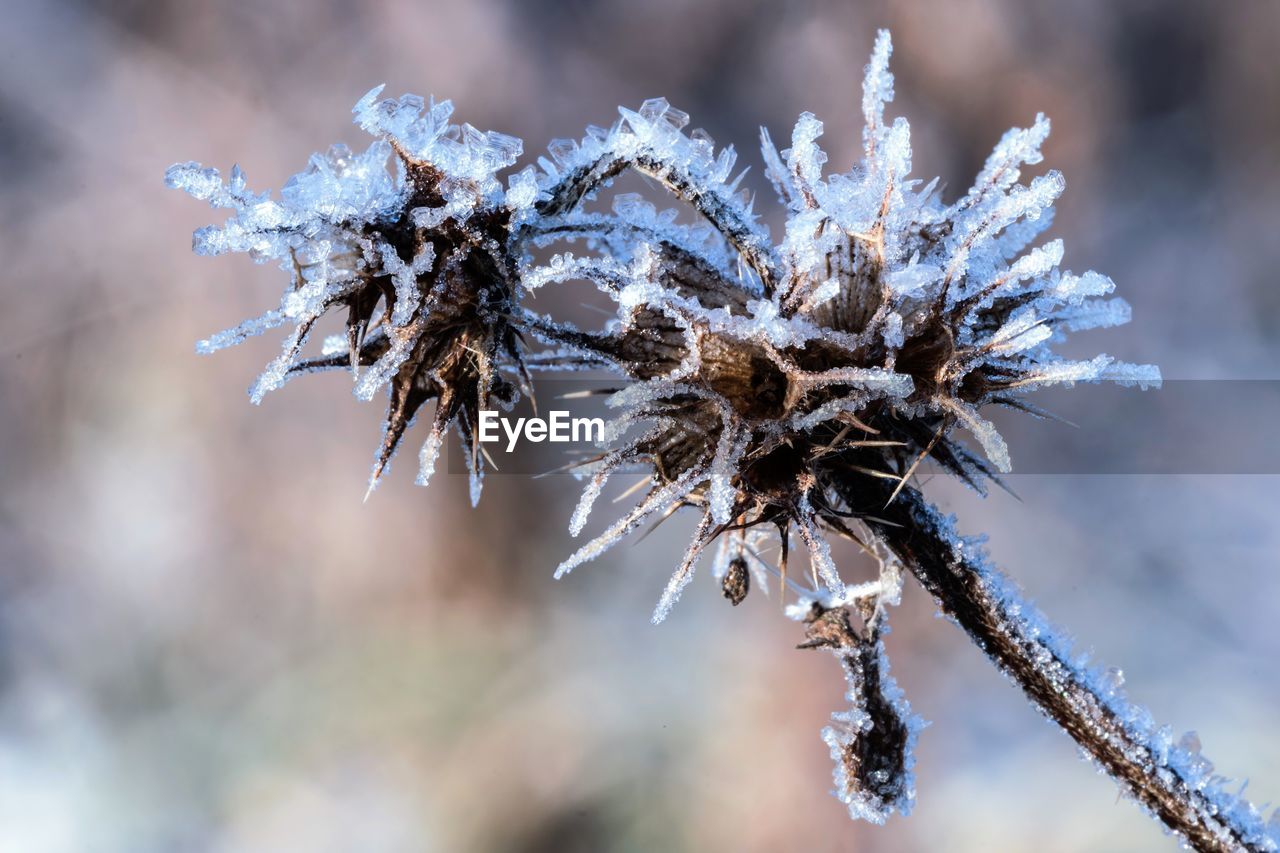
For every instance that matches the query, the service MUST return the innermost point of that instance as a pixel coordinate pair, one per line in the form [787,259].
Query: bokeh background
[208,643]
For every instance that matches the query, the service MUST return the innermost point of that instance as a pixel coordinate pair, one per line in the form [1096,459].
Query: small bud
[737,581]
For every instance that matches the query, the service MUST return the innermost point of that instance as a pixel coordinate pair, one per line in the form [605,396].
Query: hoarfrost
[759,374]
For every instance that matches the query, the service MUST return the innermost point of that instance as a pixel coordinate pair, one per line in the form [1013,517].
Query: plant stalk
[1009,630]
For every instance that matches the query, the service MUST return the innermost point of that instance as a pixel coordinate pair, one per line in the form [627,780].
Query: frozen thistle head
[869,339]
[408,241]
[775,386]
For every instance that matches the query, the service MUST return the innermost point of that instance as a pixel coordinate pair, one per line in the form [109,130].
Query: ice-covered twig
[1172,781]
[649,141]
[872,744]
[772,386]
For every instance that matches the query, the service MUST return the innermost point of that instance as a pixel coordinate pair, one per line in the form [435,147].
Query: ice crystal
[409,238]
[870,337]
[783,388]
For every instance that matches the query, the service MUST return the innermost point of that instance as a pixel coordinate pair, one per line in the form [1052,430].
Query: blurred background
[208,643]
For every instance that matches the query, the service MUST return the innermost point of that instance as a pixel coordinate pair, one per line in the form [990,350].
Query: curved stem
[741,233]
[1014,635]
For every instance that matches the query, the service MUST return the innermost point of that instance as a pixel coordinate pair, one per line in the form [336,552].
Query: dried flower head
[884,320]
[773,386]
[409,239]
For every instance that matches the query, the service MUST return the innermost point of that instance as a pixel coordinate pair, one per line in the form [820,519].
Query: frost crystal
[776,386]
[409,238]
[869,339]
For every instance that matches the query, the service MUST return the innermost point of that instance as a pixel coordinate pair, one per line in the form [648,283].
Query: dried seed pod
[415,254]
[872,742]
[849,350]
[737,581]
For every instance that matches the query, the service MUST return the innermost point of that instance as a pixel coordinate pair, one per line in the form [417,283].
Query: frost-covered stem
[1011,633]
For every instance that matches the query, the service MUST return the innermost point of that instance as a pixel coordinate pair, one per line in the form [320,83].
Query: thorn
[568,466]
[670,512]
[782,565]
[587,392]
[631,491]
[355,342]
[884,521]
[871,472]
[907,475]
[533,402]
[850,418]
